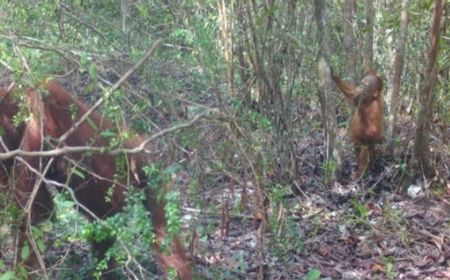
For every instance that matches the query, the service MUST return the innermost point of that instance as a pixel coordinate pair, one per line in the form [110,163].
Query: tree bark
[226,34]
[349,38]
[422,160]
[368,44]
[124,28]
[395,77]
[332,154]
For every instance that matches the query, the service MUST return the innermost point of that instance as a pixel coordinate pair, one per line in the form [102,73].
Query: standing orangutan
[100,192]
[367,121]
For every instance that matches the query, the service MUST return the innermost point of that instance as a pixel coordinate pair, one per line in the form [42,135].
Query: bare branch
[108,93]
[105,150]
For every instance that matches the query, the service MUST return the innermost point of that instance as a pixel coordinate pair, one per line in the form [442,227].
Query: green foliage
[73,111]
[183,36]
[9,211]
[21,14]
[111,106]
[286,233]
[133,223]
[88,66]
[205,50]
[154,175]
[394,221]
[361,213]
[173,213]
[158,178]
[313,274]
[360,209]
[67,228]
[97,232]
[317,225]
[330,169]
[17,19]
[136,231]
[91,123]
[389,265]
[260,121]
[172,274]
[77,172]
[131,226]
[25,252]
[38,234]
[277,192]
[237,263]
[2,265]
[424,5]
[67,216]
[287,239]
[138,124]
[8,275]
[189,138]
[390,19]
[23,115]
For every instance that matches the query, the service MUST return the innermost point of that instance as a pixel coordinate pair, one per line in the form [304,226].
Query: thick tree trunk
[395,77]
[422,161]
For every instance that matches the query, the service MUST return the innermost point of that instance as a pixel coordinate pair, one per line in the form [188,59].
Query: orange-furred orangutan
[99,193]
[367,121]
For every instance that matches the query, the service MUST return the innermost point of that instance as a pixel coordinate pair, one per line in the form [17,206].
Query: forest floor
[389,236]
[343,231]
[369,229]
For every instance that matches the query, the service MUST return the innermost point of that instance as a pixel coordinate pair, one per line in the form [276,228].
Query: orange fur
[58,116]
[367,121]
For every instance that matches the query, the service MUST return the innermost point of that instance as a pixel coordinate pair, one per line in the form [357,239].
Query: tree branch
[105,150]
[108,93]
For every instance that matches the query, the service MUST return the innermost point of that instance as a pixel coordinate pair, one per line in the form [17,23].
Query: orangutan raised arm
[367,120]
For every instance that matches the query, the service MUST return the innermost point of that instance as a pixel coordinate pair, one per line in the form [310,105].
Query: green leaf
[360,208]
[389,267]
[25,253]
[37,232]
[172,169]
[108,134]
[84,59]
[78,173]
[92,123]
[41,245]
[8,275]
[92,71]
[313,274]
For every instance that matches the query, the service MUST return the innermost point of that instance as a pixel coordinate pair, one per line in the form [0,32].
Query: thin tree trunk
[368,44]
[349,38]
[332,154]
[395,77]
[422,159]
[226,34]
[124,29]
